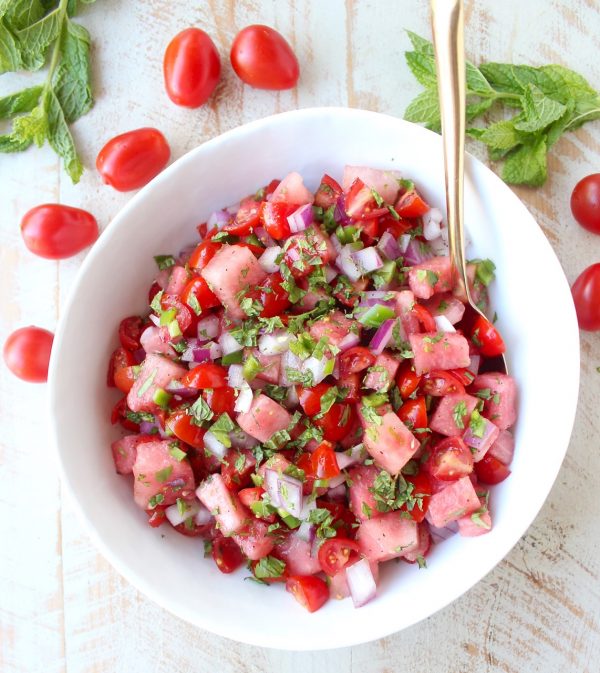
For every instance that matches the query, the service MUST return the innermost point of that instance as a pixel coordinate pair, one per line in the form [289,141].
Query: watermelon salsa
[309,394]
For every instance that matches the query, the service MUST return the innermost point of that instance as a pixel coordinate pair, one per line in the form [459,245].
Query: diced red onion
[335,241]
[291,399]
[176,388]
[443,324]
[403,242]
[208,328]
[361,582]
[301,218]
[440,534]
[215,350]
[276,343]
[148,427]
[339,213]
[244,399]
[214,445]
[346,263]
[203,516]
[139,355]
[219,219]
[229,344]
[330,273]
[417,252]
[258,384]
[432,224]
[284,491]
[337,493]
[174,515]
[318,368]
[388,245]
[381,297]
[367,259]
[382,336]
[291,361]
[439,247]
[264,238]
[235,376]
[155,319]
[334,482]
[196,354]
[480,442]
[474,364]
[345,459]
[242,440]
[349,341]
[267,259]
[306,531]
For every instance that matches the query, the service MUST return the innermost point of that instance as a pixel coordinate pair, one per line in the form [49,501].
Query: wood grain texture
[62,607]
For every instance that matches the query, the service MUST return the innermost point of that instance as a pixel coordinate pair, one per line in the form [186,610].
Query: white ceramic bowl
[536,317]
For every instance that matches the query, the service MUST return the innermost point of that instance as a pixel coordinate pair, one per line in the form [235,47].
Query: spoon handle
[448,39]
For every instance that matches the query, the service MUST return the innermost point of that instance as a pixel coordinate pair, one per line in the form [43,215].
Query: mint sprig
[31,32]
[549,101]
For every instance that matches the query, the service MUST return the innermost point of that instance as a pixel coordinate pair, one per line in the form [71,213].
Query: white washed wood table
[62,607]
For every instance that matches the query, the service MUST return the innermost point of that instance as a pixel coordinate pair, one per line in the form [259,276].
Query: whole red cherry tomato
[262,58]
[27,353]
[585,203]
[191,68]
[54,231]
[586,295]
[132,159]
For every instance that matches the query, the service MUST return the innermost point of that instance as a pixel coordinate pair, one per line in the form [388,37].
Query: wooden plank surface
[62,607]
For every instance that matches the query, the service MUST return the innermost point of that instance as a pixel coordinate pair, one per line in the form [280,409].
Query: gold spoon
[448,39]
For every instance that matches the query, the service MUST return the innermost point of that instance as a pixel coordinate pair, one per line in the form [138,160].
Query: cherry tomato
[191,68]
[156,516]
[585,203]
[410,204]
[132,159]
[352,383]
[360,203]
[486,338]
[407,380]
[420,496]
[130,331]
[124,379]
[438,383]
[304,462]
[310,398]
[121,358]
[246,218]
[370,231]
[425,318]
[324,462]
[203,253]
[450,459]
[394,226]
[310,591]
[356,360]
[464,375]
[262,58]
[490,470]
[335,553]
[338,422]
[186,318]
[248,496]
[586,295]
[414,413]
[274,218]
[180,424]
[237,467]
[197,288]
[344,521]
[206,375]
[220,400]
[27,353]
[226,554]
[119,415]
[328,193]
[54,231]
[271,295]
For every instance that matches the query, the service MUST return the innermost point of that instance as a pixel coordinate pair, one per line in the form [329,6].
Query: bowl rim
[198,618]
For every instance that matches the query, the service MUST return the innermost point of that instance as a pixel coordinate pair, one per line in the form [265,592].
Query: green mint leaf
[32,127]
[425,109]
[499,136]
[164,261]
[527,164]
[422,67]
[35,39]
[10,57]
[539,111]
[478,108]
[10,143]
[476,81]
[20,102]
[60,138]
[420,44]
[23,13]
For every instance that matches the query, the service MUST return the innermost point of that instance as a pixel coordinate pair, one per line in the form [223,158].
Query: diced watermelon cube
[383,181]
[447,305]
[362,501]
[503,448]
[270,365]
[159,476]
[224,504]
[452,414]
[277,462]
[478,523]
[156,372]
[231,271]
[254,540]
[431,276]
[389,441]
[381,375]
[501,403]
[441,350]
[388,536]
[404,304]
[297,554]
[177,280]
[423,546]
[458,499]
[264,418]
[292,190]
[124,451]
[334,327]
[152,341]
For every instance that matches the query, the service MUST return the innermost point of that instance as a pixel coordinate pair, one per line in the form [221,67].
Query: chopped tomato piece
[334,554]
[413,413]
[338,422]
[407,380]
[272,296]
[220,400]
[274,218]
[450,460]
[328,192]
[130,331]
[197,294]
[119,415]
[324,462]
[424,317]
[181,425]
[490,470]
[120,359]
[356,360]
[439,383]
[246,219]
[202,255]
[206,375]
[411,204]
[226,554]
[486,338]
[419,496]
[310,591]
[310,398]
